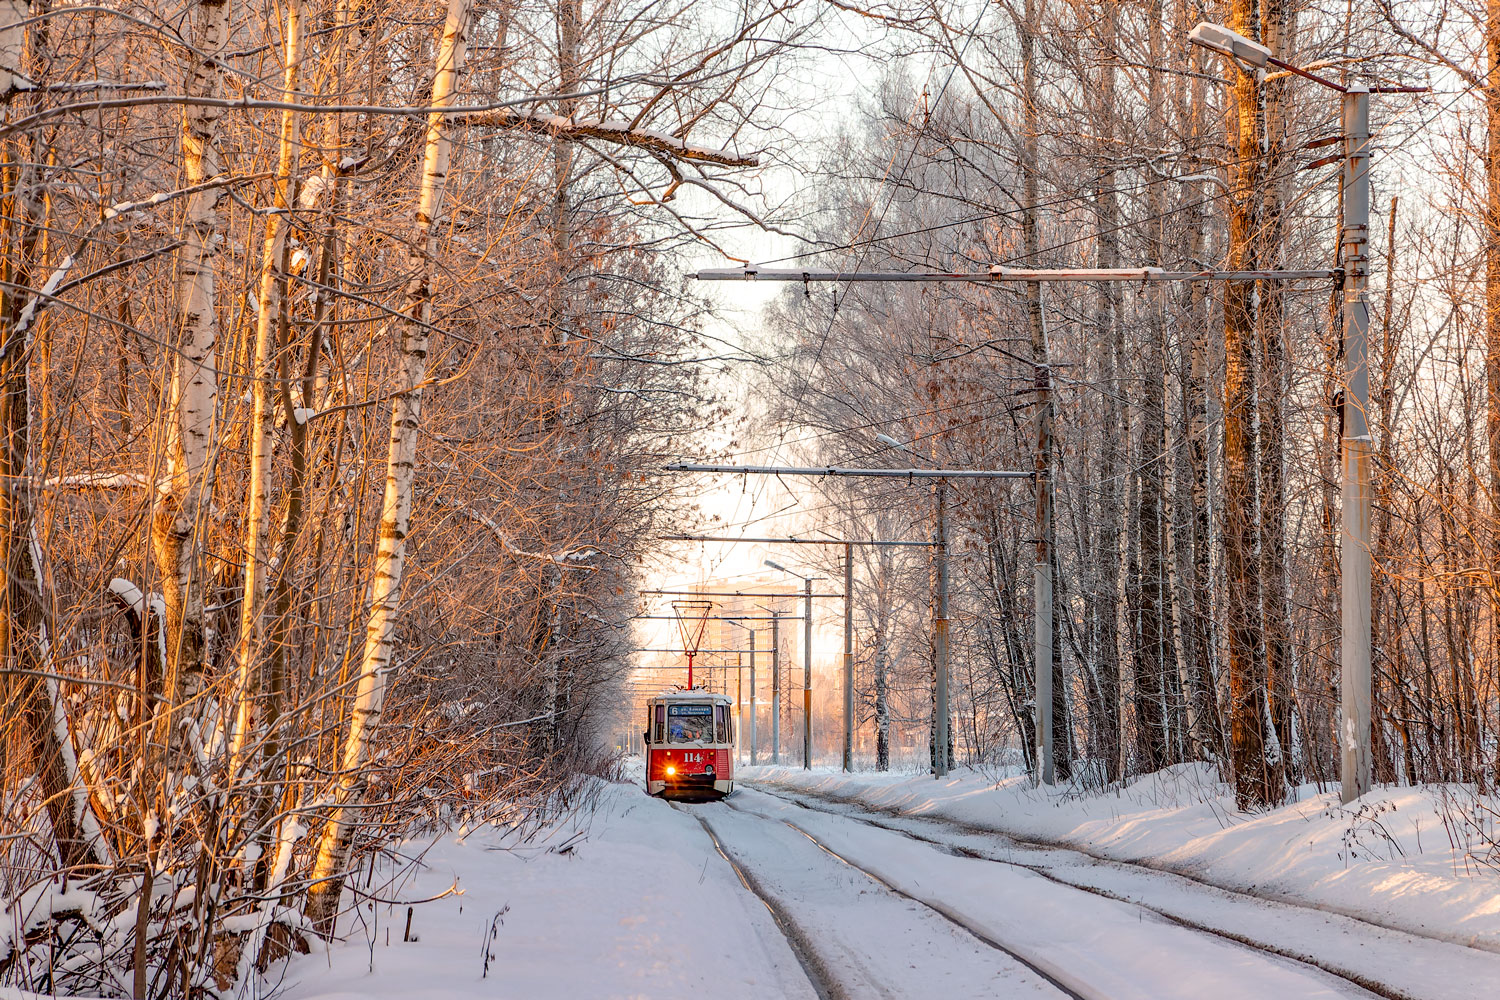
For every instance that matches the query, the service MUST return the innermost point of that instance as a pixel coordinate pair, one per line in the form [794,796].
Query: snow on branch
[566,558]
[619,133]
[105,481]
[45,295]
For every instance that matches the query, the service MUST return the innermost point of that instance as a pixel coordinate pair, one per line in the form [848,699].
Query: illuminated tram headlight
[671,770]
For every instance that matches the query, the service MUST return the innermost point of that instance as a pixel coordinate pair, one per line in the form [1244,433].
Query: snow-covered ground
[1096,946]
[1401,857]
[642,899]
[638,905]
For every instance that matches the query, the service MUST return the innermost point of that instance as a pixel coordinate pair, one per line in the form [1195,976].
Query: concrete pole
[1042,579]
[848,657]
[753,705]
[940,633]
[807,676]
[1354,568]
[776,687]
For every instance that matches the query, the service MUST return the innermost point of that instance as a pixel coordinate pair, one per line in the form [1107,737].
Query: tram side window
[721,720]
[661,724]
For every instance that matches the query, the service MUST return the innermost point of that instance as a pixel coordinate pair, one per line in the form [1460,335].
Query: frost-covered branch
[618,133]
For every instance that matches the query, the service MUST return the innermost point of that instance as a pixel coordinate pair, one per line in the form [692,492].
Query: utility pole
[940,760]
[1354,548]
[1354,589]
[848,657]
[775,687]
[752,698]
[807,631]
[739,717]
[1042,579]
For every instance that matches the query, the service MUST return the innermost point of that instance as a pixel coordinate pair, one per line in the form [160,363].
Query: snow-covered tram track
[1412,967]
[1040,969]
[855,936]
[824,984]
[1094,945]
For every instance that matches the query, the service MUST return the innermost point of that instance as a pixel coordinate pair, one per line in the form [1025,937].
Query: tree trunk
[263,387]
[390,558]
[193,408]
[1106,550]
[1271,391]
[1253,779]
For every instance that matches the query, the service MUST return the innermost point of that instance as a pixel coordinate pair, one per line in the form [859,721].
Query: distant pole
[940,634]
[1354,593]
[807,676]
[848,657]
[752,698]
[739,705]
[776,687]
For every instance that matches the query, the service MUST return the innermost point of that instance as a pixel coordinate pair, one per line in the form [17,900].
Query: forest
[344,346]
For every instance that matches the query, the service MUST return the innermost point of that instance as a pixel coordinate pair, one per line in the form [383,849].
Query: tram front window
[690,723]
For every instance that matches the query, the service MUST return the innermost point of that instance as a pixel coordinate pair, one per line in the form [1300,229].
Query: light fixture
[1230,43]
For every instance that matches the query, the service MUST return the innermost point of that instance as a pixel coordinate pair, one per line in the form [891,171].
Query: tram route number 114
[692,758]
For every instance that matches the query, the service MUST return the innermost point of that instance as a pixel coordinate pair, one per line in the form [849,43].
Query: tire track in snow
[1301,957]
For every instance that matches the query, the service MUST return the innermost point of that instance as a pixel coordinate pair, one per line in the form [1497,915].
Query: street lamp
[806,660]
[1354,561]
[1231,43]
[740,698]
[775,685]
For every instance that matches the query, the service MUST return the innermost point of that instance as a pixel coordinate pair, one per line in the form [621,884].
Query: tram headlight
[671,770]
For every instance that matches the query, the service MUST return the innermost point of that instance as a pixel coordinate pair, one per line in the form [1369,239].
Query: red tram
[689,745]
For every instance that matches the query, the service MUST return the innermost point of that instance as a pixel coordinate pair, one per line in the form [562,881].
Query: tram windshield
[690,723]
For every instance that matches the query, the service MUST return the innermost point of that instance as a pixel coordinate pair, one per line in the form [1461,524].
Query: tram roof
[693,695]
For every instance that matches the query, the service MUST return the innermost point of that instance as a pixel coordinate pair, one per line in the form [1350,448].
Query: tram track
[819,976]
[874,943]
[1302,957]
[854,808]
[1050,975]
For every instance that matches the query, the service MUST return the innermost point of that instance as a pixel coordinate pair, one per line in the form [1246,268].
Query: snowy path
[1096,947]
[1390,962]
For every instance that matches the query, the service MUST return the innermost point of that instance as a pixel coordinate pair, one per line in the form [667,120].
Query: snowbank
[630,901]
[1389,858]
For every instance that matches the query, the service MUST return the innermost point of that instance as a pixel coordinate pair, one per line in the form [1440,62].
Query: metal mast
[1354,589]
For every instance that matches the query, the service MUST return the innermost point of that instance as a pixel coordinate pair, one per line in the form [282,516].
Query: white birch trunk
[193,405]
[263,418]
[12,46]
[390,556]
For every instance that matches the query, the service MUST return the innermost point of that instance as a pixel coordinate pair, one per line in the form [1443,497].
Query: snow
[1097,947]
[129,593]
[1222,39]
[902,886]
[1394,857]
[639,905]
[871,941]
[314,188]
